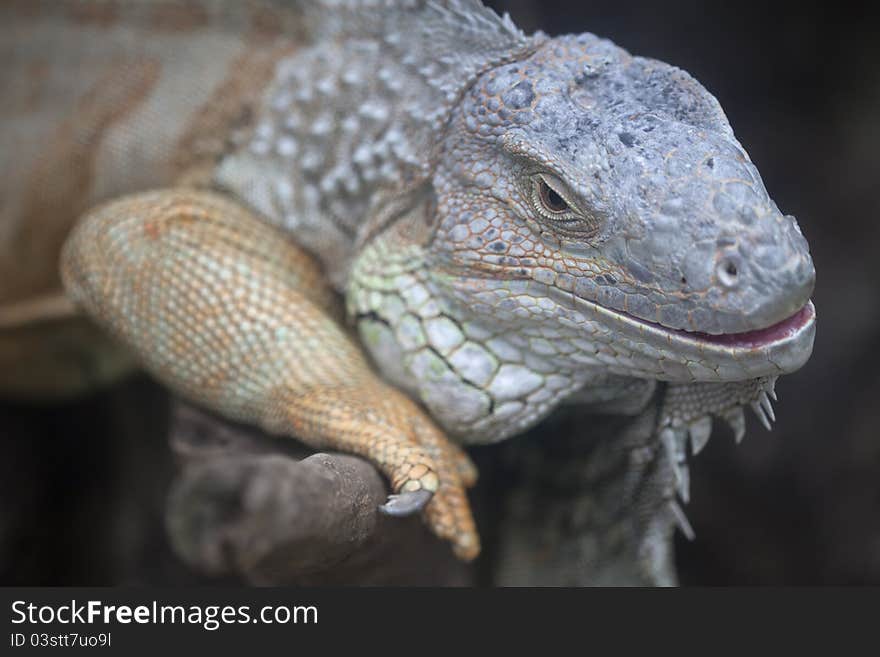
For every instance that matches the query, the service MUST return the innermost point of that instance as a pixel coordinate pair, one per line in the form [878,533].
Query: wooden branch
[36,310]
[261,508]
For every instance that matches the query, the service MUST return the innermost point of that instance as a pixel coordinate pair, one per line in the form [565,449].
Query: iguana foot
[427,471]
[448,512]
[440,492]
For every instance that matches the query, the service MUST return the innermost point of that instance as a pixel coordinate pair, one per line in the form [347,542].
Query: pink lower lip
[783,330]
[747,339]
[760,337]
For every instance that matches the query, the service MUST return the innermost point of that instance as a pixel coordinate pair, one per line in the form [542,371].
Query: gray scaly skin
[518,221]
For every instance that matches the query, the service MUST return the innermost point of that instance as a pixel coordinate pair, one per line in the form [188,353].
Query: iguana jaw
[770,337]
[778,349]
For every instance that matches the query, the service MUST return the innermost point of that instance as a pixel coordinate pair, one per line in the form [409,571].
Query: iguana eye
[550,201]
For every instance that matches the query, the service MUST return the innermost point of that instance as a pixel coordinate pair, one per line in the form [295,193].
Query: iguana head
[604,197]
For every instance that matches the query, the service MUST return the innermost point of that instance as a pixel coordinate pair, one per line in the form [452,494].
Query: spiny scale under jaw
[736,418]
[681,520]
[227,312]
[764,410]
[700,431]
[674,443]
[687,417]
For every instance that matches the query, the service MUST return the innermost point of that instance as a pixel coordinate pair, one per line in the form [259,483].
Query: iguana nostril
[729,271]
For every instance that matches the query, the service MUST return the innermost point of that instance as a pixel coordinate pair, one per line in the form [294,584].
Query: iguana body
[514,221]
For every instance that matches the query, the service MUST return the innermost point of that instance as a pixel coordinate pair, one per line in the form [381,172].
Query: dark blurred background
[82,484]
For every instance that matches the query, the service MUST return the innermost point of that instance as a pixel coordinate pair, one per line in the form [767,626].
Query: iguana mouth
[768,336]
[783,330]
[785,335]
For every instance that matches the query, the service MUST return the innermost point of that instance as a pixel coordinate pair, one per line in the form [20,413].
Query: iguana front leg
[228,312]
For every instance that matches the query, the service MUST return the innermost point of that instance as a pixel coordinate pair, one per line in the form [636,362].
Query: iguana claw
[405,504]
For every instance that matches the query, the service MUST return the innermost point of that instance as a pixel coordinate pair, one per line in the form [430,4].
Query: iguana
[513,221]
